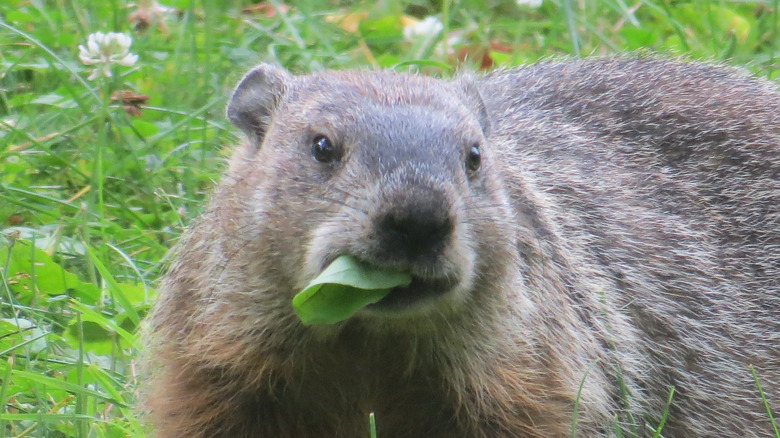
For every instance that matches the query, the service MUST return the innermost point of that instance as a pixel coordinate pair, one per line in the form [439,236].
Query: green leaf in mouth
[343,288]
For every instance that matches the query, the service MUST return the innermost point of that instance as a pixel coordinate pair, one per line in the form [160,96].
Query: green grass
[91,197]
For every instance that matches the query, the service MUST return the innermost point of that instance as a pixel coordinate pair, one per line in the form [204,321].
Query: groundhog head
[394,170]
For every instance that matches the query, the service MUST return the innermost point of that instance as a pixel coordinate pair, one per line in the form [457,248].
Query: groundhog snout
[414,228]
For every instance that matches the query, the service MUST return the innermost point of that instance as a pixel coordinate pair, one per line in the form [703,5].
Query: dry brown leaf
[266,8]
[150,13]
[348,22]
[131,101]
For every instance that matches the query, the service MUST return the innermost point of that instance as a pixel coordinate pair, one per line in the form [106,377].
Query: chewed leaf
[331,303]
[343,288]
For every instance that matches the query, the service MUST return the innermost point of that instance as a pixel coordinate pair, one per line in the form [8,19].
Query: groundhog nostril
[414,231]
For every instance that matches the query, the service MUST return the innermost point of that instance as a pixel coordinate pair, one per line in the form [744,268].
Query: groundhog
[587,240]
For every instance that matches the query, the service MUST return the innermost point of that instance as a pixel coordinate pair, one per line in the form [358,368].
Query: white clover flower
[430,27]
[529,3]
[453,39]
[104,50]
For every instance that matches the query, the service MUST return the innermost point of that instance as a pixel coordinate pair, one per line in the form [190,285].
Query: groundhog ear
[473,98]
[256,98]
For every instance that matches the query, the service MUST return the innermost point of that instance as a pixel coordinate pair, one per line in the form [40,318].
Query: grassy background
[92,195]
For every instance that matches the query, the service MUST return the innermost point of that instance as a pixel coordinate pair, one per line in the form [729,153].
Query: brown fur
[622,233]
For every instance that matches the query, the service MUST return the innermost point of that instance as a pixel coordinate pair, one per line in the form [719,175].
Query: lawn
[100,170]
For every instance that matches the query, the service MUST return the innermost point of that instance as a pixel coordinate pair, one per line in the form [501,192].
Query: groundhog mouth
[419,290]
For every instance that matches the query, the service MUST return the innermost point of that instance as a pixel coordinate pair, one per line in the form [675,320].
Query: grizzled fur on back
[616,236]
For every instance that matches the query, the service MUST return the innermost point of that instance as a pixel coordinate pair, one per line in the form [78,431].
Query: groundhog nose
[415,227]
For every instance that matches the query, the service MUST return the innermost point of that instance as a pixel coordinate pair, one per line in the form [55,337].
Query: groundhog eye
[323,149]
[474,160]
